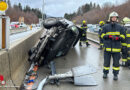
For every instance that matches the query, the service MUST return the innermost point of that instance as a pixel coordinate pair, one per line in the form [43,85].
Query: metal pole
[43,10]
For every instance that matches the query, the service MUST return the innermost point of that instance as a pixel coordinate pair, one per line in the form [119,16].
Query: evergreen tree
[27,9]
[16,7]
[91,5]
[9,3]
[86,8]
[98,6]
[80,11]
[20,6]
[94,5]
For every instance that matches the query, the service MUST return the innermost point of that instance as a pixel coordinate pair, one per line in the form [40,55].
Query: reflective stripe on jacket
[84,28]
[114,30]
[100,30]
[128,39]
[124,43]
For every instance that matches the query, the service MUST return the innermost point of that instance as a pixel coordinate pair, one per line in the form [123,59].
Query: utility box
[4,32]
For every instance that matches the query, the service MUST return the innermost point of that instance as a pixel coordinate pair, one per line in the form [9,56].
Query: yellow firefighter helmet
[101,23]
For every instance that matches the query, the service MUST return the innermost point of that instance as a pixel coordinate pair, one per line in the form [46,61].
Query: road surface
[79,56]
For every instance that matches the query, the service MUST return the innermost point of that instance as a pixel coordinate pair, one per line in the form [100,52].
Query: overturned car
[57,39]
[59,36]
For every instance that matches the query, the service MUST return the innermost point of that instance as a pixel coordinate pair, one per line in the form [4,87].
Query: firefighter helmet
[84,21]
[113,14]
[101,23]
[126,20]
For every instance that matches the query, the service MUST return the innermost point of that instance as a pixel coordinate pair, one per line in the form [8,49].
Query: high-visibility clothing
[128,45]
[107,59]
[112,47]
[100,39]
[83,31]
[114,30]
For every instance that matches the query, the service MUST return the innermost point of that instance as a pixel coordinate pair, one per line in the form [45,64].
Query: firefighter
[101,23]
[124,51]
[83,37]
[112,34]
[128,46]
[124,48]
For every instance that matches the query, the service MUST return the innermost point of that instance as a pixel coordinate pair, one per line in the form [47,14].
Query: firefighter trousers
[84,39]
[101,42]
[128,59]
[124,54]
[107,59]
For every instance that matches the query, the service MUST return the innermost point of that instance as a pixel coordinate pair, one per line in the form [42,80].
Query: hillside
[97,14]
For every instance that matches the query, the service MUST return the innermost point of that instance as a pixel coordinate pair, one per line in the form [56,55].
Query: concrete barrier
[93,37]
[14,61]
[18,30]
[4,64]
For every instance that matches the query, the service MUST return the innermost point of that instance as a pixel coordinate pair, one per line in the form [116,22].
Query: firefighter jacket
[84,28]
[128,39]
[99,33]
[115,30]
[124,42]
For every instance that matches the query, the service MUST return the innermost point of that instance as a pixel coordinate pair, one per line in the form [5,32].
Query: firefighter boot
[87,44]
[100,48]
[126,64]
[115,77]
[104,75]
[123,63]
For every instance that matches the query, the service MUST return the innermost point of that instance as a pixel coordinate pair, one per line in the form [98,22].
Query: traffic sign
[3,6]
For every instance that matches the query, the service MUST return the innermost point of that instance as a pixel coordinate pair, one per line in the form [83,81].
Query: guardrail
[18,30]
[93,37]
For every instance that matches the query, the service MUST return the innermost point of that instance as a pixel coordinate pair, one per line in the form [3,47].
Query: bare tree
[96,15]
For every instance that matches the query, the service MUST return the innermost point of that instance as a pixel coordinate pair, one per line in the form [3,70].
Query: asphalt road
[79,56]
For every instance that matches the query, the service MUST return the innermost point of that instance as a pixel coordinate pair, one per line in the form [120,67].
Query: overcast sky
[59,7]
